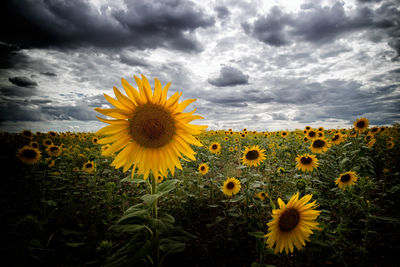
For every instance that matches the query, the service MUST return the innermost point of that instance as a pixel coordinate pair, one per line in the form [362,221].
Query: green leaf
[257,234]
[129,228]
[388,219]
[74,245]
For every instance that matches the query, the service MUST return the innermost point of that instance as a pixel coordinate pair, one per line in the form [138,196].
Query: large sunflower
[28,155]
[152,131]
[361,124]
[253,156]
[319,145]
[346,179]
[231,186]
[306,162]
[292,224]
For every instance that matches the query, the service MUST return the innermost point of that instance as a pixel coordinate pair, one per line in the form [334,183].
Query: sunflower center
[214,146]
[89,165]
[306,160]
[336,137]
[311,134]
[54,149]
[230,185]
[360,124]
[252,155]
[152,126]
[30,154]
[318,143]
[263,194]
[345,178]
[202,168]
[289,220]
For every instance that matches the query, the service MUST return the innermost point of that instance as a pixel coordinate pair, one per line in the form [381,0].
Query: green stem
[156,249]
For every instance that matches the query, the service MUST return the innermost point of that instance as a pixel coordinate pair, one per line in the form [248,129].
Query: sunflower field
[196,197]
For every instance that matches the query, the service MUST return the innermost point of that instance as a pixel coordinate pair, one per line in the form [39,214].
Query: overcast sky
[263,65]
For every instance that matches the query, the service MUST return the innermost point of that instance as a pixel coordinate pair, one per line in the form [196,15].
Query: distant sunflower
[320,129]
[34,144]
[52,134]
[292,224]
[361,124]
[95,140]
[311,134]
[160,178]
[236,140]
[253,156]
[203,169]
[53,151]
[47,142]
[262,195]
[390,144]
[89,167]
[305,139]
[52,163]
[27,134]
[284,133]
[371,142]
[215,147]
[231,186]
[319,145]
[307,128]
[374,130]
[226,138]
[28,155]
[306,162]
[152,131]
[346,179]
[353,133]
[231,149]
[337,138]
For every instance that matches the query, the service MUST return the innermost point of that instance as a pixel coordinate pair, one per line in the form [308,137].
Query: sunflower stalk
[155,236]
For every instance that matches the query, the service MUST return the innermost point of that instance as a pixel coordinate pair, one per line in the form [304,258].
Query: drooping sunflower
[390,144]
[262,195]
[231,186]
[346,179]
[203,169]
[337,138]
[253,156]
[215,147]
[152,131]
[353,133]
[28,155]
[371,142]
[292,224]
[361,125]
[306,162]
[319,145]
[89,167]
[53,151]
[95,140]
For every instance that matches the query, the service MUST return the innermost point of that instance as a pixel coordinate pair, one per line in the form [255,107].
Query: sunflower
[52,134]
[262,195]
[95,140]
[203,169]
[319,145]
[160,178]
[53,151]
[34,144]
[311,134]
[89,167]
[280,170]
[52,163]
[305,139]
[47,142]
[371,142]
[231,186]
[346,179]
[253,156]
[231,149]
[27,134]
[28,155]
[292,224]
[152,131]
[284,134]
[215,147]
[226,138]
[361,125]
[307,128]
[306,162]
[337,138]
[390,144]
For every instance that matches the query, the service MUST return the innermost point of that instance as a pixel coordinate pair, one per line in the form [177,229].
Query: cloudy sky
[263,65]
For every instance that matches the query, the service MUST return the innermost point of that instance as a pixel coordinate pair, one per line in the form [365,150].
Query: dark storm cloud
[133,61]
[22,81]
[17,91]
[319,25]
[142,24]
[229,76]
[222,12]
[51,74]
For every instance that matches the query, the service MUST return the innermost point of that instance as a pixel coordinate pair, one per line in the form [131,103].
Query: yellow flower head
[203,169]
[306,162]
[231,186]
[253,156]
[346,179]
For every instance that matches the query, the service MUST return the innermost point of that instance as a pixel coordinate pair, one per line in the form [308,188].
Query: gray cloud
[279,116]
[229,76]
[222,12]
[320,25]
[48,73]
[141,24]
[22,81]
